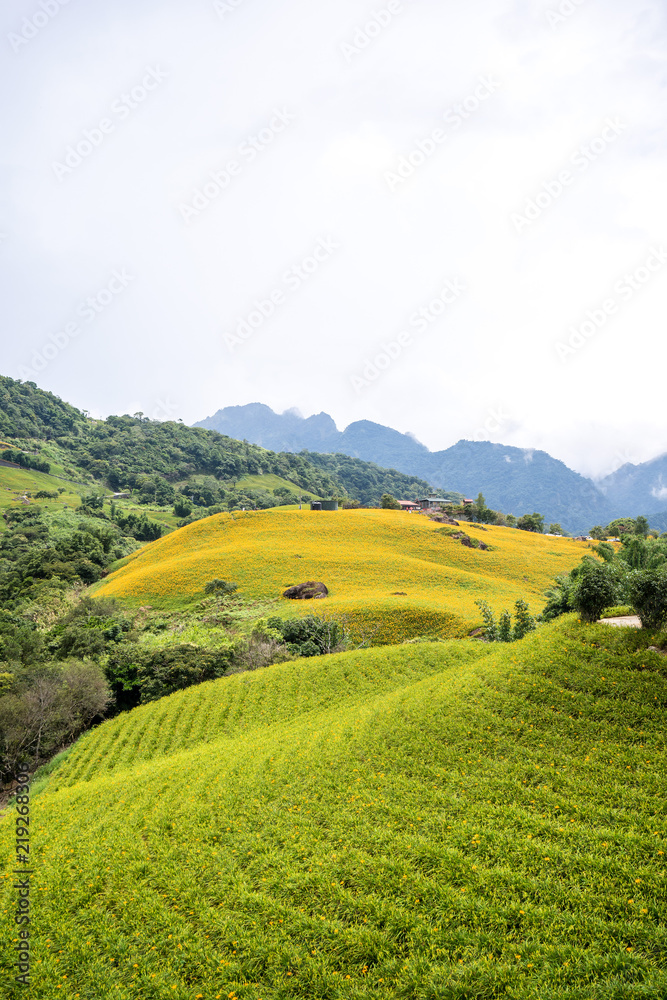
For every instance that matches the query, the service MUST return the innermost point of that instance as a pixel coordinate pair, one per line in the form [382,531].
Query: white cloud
[325,174]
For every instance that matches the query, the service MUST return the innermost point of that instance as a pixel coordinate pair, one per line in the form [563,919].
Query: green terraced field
[435,820]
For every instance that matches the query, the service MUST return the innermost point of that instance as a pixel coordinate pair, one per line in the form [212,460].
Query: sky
[447,218]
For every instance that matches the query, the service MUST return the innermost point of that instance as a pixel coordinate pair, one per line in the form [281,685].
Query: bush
[594,591]
[309,636]
[388,502]
[138,674]
[648,593]
[222,588]
[503,631]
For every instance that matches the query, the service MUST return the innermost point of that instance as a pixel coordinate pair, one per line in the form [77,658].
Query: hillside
[448,820]
[390,575]
[513,480]
[29,412]
[161,461]
[644,484]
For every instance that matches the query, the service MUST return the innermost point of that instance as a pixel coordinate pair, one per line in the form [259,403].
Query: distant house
[425,503]
[467,502]
[408,505]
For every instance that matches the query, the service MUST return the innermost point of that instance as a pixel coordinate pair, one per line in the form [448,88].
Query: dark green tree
[388,502]
[524,621]
[599,533]
[531,522]
[648,594]
[594,590]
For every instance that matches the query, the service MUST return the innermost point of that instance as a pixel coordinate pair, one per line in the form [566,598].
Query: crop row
[497,827]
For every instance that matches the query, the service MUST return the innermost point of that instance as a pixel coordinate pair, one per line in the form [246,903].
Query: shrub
[524,620]
[309,636]
[648,593]
[388,502]
[223,588]
[503,631]
[594,591]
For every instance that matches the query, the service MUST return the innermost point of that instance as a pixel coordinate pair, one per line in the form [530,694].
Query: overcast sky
[448,218]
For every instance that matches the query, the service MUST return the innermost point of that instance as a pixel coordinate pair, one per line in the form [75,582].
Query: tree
[641,526]
[621,526]
[599,533]
[605,551]
[388,502]
[93,500]
[182,508]
[640,553]
[524,620]
[555,529]
[531,522]
[648,593]
[505,627]
[594,590]
[490,627]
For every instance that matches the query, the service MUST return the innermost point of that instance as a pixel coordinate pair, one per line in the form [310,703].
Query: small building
[408,505]
[466,502]
[324,505]
[425,503]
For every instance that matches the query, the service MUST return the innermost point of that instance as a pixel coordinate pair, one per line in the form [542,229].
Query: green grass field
[268,481]
[15,482]
[443,820]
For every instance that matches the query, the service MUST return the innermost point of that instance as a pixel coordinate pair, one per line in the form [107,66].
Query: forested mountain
[161,461]
[29,412]
[632,485]
[290,432]
[365,481]
[513,480]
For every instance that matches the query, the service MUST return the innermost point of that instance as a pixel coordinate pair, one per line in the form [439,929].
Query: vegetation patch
[388,822]
[365,557]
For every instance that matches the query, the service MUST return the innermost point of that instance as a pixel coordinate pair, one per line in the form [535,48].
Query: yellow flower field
[390,575]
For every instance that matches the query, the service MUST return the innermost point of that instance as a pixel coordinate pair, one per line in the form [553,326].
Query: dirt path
[628,621]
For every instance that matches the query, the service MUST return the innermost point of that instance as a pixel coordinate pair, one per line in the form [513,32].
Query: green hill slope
[455,821]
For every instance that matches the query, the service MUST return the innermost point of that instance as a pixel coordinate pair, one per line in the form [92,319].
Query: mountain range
[513,480]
